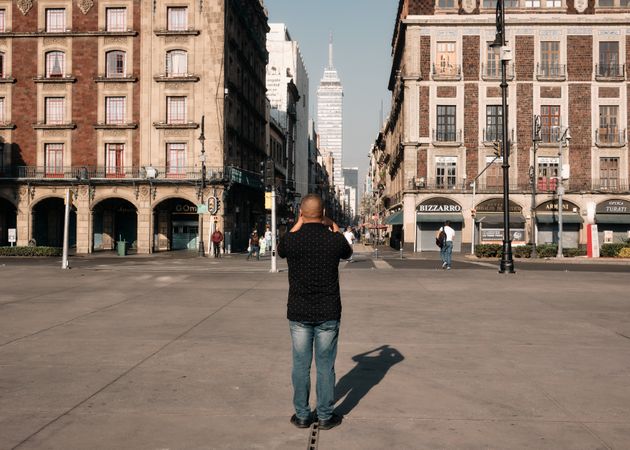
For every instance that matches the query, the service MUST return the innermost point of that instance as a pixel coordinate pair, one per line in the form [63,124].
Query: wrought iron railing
[553,71]
[493,71]
[213,174]
[607,70]
[447,71]
[610,137]
[451,136]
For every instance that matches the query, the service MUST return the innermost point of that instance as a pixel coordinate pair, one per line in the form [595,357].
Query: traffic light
[269,172]
[497,147]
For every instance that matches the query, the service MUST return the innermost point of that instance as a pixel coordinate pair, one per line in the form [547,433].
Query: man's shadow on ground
[368,372]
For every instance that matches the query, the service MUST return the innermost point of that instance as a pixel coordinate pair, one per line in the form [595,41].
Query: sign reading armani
[552,206]
[616,206]
[439,205]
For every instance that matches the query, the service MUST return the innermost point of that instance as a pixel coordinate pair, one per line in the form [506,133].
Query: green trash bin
[121,247]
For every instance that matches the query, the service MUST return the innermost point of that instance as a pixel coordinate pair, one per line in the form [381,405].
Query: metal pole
[560,189]
[507,263]
[534,175]
[202,139]
[274,268]
[66,225]
[472,239]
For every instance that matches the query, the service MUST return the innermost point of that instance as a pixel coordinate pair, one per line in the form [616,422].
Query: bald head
[312,208]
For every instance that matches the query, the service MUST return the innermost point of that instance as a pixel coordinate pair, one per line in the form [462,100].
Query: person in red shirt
[217,238]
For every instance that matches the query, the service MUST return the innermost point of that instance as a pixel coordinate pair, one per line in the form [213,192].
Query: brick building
[568,68]
[106,98]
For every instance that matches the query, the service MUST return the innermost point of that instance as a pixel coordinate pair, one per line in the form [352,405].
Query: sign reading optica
[496,205]
[615,206]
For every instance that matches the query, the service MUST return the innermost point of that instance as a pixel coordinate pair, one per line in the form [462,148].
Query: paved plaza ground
[186,353]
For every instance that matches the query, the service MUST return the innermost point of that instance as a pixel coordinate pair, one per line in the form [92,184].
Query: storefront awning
[497,218]
[568,217]
[395,219]
[439,217]
[613,218]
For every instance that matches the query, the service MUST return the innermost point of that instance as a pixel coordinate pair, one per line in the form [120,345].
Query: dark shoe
[330,423]
[301,423]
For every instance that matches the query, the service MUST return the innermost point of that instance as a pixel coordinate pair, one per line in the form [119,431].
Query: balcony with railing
[447,72]
[169,77]
[551,72]
[615,185]
[610,72]
[492,72]
[610,137]
[494,134]
[447,137]
[213,174]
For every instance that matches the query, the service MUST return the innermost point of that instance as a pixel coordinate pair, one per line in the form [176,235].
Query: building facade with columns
[568,69]
[106,98]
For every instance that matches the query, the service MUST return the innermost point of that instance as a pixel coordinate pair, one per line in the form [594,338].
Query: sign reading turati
[552,206]
[439,205]
[615,206]
[496,205]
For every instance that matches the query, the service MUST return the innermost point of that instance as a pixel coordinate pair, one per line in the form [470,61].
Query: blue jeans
[446,251]
[323,337]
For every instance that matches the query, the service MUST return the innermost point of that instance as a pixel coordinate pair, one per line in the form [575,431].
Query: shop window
[53,160]
[446,123]
[532,3]
[55,20]
[547,174]
[446,172]
[446,59]
[609,60]
[176,159]
[115,110]
[114,160]
[494,123]
[506,4]
[608,132]
[550,59]
[115,64]
[116,19]
[609,173]
[613,3]
[445,3]
[55,110]
[177,18]
[550,122]
[176,63]
[55,64]
[175,110]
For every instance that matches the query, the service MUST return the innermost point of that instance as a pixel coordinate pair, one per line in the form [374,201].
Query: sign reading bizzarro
[616,206]
[439,205]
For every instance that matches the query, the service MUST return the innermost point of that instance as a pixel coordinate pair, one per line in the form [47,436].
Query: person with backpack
[444,240]
[254,245]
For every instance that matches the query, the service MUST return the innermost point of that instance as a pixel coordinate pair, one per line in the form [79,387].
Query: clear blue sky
[362,32]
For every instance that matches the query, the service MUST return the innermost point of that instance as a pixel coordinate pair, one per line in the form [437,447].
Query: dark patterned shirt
[313,255]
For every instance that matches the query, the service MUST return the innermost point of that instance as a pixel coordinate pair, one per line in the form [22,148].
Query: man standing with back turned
[313,249]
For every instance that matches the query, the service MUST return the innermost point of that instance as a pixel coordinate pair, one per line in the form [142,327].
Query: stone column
[409,221]
[145,227]
[84,222]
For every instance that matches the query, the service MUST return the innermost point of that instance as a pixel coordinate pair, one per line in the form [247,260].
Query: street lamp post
[533,178]
[507,262]
[566,136]
[202,139]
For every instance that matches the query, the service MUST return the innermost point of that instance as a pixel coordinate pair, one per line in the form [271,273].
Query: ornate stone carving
[54,133]
[177,133]
[176,40]
[580,5]
[469,5]
[144,192]
[24,6]
[115,133]
[54,41]
[85,5]
[115,40]
[116,87]
[54,87]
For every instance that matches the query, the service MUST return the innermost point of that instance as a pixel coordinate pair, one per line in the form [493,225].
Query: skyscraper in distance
[330,116]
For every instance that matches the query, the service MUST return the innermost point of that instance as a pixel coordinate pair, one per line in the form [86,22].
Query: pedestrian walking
[446,234]
[217,239]
[254,245]
[268,236]
[349,235]
[313,248]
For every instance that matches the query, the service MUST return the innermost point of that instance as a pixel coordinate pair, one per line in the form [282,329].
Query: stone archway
[8,220]
[176,225]
[114,219]
[47,228]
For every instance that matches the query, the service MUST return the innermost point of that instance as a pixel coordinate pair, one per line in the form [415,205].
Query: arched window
[176,63]
[55,64]
[115,66]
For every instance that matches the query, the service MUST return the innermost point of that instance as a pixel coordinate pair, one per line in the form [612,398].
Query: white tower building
[330,117]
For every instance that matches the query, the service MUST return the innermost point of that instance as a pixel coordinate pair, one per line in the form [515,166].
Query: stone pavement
[144,355]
